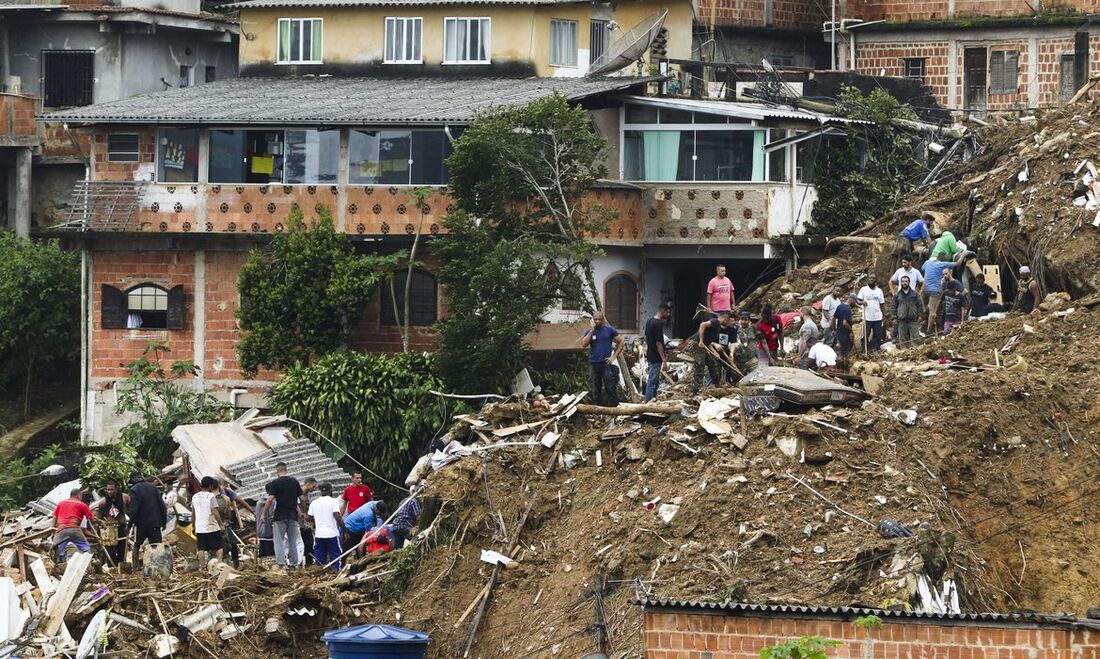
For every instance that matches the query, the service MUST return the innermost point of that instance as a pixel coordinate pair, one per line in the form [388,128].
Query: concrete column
[953,73]
[19,208]
[342,181]
[203,176]
[198,331]
[1033,72]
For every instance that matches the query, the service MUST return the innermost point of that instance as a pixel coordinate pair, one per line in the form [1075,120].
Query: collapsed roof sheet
[303,459]
[211,446]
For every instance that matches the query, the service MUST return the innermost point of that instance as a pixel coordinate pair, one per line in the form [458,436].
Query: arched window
[423,300]
[620,302]
[572,292]
[145,306]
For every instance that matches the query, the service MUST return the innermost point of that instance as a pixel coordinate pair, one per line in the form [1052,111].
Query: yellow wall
[354,36]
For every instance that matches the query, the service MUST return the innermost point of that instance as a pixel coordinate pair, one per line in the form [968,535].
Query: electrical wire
[348,455]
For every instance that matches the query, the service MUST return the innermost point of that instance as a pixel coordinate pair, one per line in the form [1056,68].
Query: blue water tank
[376,642]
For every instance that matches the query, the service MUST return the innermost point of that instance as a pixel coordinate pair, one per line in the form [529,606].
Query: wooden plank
[59,603]
[46,583]
[993,278]
[512,430]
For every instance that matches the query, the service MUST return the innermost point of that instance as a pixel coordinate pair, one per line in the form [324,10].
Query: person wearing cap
[147,513]
[655,349]
[286,500]
[1031,297]
[744,344]
[328,525]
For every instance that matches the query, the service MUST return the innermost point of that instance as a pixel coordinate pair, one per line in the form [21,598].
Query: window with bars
[300,41]
[466,40]
[1004,71]
[598,37]
[423,300]
[913,67]
[122,147]
[67,78]
[403,40]
[563,42]
[621,302]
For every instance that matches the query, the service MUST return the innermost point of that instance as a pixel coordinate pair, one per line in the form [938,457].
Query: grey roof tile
[337,101]
[271,4]
[303,459]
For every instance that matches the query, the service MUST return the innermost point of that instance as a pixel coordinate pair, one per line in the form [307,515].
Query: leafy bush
[807,647]
[377,407]
[19,479]
[114,462]
[161,402]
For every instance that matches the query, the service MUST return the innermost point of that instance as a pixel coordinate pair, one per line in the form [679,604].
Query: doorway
[975,71]
[683,282]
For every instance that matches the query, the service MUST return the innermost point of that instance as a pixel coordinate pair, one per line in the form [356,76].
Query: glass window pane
[318,40]
[777,160]
[399,41]
[474,49]
[806,158]
[312,156]
[427,156]
[246,156]
[724,155]
[307,40]
[295,41]
[641,114]
[670,116]
[178,155]
[657,155]
[284,40]
[483,52]
[704,118]
[417,28]
[450,40]
[388,54]
[393,152]
[364,167]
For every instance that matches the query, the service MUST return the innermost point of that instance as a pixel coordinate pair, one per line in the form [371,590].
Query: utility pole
[832,38]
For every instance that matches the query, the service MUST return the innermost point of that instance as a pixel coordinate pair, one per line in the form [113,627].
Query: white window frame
[298,23]
[136,154]
[401,22]
[574,63]
[488,42]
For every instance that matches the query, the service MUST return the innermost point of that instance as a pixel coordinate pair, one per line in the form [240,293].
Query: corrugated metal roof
[278,4]
[303,459]
[336,101]
[742,110]
[780,610]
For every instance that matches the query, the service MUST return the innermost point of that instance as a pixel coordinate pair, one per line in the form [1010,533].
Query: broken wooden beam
[62,599]
[628,409]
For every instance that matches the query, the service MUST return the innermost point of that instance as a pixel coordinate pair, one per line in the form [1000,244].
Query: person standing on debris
[404,520]
[933,287]
[955,303]
[655,349]
[362,521]
[916,232]
[770,347]
[111,509]
[842,327]
[946,244]
[305,527]
[227,509]
[605,344]
[209,536]
[871,299]
[720,292]
[712,339]
[265,533]
[328,524]
[828,307]
[68,517]
[916,279]
[907,308]
[1031,296]
[982,298]
[355,495]
[286,494]
[820,356]
[147,512]
[743,345]
[807,331]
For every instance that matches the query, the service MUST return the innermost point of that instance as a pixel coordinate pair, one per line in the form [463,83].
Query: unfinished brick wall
[899,10]
[872,58]
[17,116]
[786,14]
[717,636]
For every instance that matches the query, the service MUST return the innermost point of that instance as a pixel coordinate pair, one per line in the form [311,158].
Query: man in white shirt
[208,528]
[820,356]
[916,279]
[828,306]
[871,299]
[328,524]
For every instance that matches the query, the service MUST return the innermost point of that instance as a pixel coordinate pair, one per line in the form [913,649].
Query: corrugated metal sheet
[742,110]
[211,446]
[781,610]
[336,101]
[303,459]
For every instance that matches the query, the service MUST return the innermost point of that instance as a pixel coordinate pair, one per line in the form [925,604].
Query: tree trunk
[27,388]
[409,277]
[631,388]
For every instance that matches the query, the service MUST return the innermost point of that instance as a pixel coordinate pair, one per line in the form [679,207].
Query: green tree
[303,295]
[160,400]
[377,407]
[21,481]
[518,176]
[113,462]
[865,175]
[807,647]
[39,308]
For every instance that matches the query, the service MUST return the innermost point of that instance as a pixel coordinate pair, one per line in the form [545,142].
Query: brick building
[977,55]
[705,630]
[788,33]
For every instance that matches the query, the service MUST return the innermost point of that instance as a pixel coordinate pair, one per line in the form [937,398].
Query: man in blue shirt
[933,287]
[604,344]
[365,518]
[842,327]
[916,231]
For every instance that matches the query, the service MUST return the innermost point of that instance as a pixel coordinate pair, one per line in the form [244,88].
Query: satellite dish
[630,47]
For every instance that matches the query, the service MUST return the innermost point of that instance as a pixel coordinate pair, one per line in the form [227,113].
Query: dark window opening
[185,76]
[621,302]
[1066,83]
[423,300]
[781,60]
[246,156]
[1004,71]
[123,147]
[598,38]
[145,306]
[211,73]
[67,78]
[913,67]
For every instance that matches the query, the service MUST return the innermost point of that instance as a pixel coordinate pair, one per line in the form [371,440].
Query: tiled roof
[336,101]
[303,459]
[833,612]
[272,4]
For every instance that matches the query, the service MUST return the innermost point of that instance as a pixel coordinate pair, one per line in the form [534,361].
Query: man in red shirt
[720,292]
[68,516]
[355,494]
[770,345]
